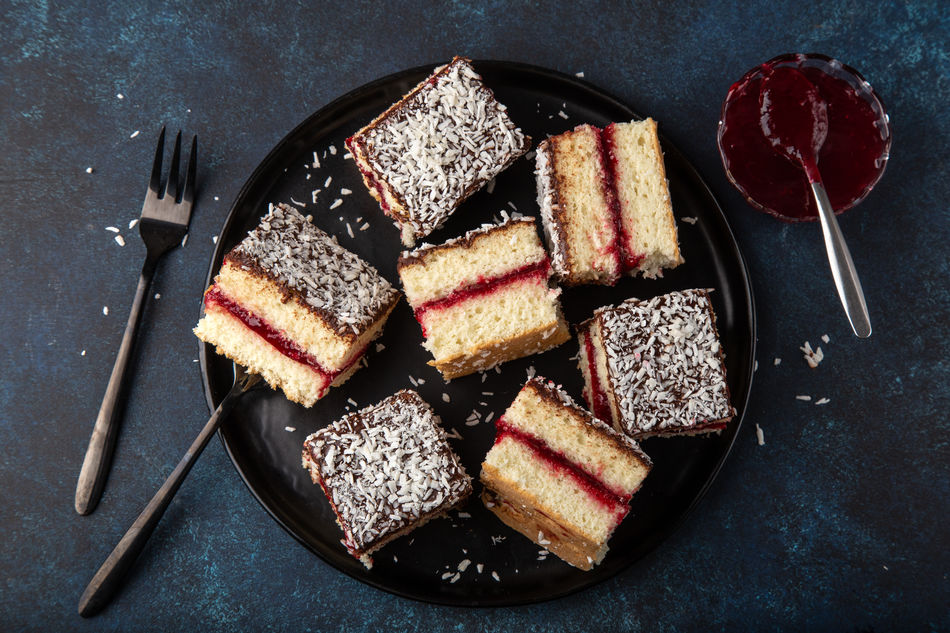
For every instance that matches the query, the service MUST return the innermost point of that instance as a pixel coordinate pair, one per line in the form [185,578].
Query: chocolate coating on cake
[387,467]
[307,264]
[441,143]
[665,363]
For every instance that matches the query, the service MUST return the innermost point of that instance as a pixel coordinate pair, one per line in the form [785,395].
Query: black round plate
[267,454]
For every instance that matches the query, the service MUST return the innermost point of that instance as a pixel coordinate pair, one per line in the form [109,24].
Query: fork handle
[108,578]
[95,465]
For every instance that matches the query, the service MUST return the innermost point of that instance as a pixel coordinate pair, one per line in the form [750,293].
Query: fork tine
[189,196]
[171,185]
[155,182]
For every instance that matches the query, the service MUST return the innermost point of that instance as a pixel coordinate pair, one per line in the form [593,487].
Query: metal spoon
[107,581]
[794,119]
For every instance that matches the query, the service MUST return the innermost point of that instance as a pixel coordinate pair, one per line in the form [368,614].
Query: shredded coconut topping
[349,293]
[387,467]
[441,143]
[664,362]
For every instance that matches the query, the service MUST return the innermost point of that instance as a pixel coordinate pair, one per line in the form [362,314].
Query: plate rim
[206,351]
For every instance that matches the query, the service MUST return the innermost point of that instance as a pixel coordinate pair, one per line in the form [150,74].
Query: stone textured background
[837,523]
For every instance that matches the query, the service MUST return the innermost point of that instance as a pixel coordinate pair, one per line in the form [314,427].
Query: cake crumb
[812,356]
[134,134]
[825,338]
[290,429]
[759,435]
[494,575]
[446,398]
[777,361]
[105,310]
[89,170]
[120,240]
[690,220]
[803,397]
[822,401]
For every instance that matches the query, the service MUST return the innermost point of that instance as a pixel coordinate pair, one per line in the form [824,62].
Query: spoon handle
[107,581]
[842,267]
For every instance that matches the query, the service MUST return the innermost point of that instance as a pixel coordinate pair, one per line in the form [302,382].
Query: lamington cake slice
[386,470]
[655,366]
[435,147]
[560,476]
[291,304]
[483,299]
[605,203]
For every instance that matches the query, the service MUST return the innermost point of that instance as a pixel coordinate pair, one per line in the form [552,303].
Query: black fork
[163,225]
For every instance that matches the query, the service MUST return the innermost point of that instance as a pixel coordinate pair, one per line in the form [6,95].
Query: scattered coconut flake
[690,220]
[332,149]
[345,192]
[822,401]
[464,515]
[447,575]
[158,296]
[755,365]
[484,376]
[422,381]
[479,567]
[512,205]
[313,195]
[453,435]
[89,170]
[464,565]
[579,74]
[349,229]
[119,96]
[105,310]
[134,134]
[415,383]
[290,429]
[562,114]
[494,575]
[471,422]
[336,203]
[352,401]
[217,198]
[380,347]
[777,361]
[531,372]
[214,239]
[803,397]
[825,338]
[541,539]
[184,240]
[490,187]
[83,353]
[488,417]
[446,398]
[455,578]
[812,356]
[120,240]
[395,560]
[760,435]
[112,228]
[132,223]
[298,203]
[365,226]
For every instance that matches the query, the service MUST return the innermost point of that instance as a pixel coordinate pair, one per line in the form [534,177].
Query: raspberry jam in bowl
[851,159]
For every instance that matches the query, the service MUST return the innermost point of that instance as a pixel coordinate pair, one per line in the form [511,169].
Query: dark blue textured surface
[837,523]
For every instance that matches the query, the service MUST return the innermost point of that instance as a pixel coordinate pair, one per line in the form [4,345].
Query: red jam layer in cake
[598,398]
[596,489]
[539,271]
[615,248]
[273,336]
[628,260]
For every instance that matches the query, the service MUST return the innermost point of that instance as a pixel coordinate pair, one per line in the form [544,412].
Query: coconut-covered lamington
[386,470]
[605,203]
[291,304]
[484,298]
[560,476]
[435,147]
[655,366]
